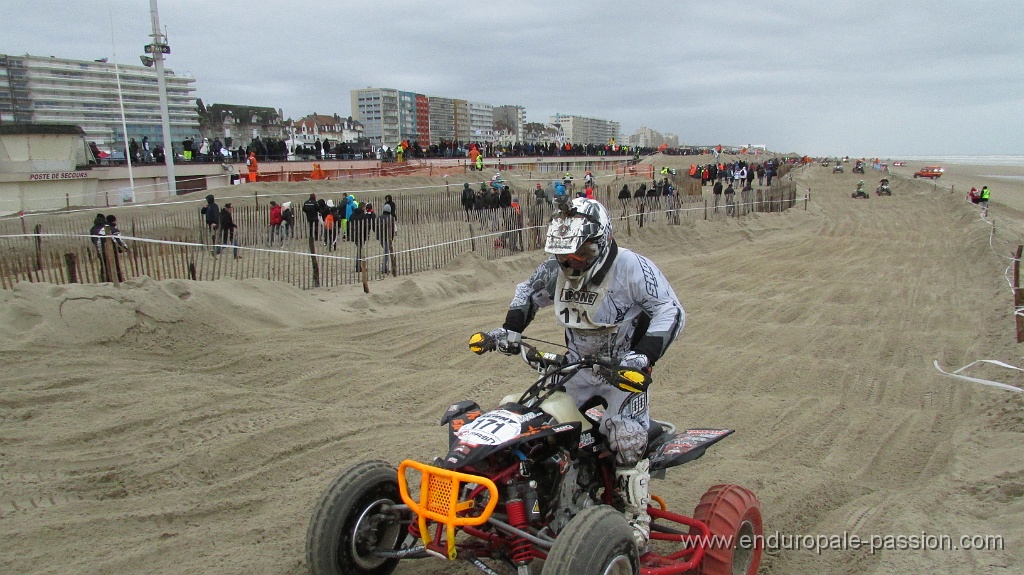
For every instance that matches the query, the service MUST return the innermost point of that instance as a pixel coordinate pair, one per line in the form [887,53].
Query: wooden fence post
[316,264]
[1018,295]
[39,247]
[71,260]
[109,261]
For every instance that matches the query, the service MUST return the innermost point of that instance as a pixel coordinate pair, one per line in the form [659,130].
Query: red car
[929,172]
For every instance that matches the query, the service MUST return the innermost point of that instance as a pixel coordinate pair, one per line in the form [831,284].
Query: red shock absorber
[414,529]
[520,549]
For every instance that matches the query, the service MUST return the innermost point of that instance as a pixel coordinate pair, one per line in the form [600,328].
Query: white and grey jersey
[627,306]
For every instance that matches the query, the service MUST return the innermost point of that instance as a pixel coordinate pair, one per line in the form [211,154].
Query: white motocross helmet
[579,236]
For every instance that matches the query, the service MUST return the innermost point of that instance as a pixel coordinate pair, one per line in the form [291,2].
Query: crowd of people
[328,221]
[739,173]
[492,206]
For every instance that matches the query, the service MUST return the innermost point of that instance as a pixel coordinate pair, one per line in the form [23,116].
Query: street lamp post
[158,48]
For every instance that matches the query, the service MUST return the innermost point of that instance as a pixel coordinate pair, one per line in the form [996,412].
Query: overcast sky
[866,78]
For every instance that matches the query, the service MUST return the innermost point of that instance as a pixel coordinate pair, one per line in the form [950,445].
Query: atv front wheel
[598,541]
[733,514]
[350,523]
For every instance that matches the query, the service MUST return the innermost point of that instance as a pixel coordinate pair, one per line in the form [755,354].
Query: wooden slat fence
[432,230]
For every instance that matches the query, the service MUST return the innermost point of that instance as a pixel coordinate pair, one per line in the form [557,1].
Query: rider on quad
[611,302]
[859,192]
[497,182]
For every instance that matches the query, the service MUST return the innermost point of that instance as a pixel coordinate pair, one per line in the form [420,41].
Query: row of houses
[96,95]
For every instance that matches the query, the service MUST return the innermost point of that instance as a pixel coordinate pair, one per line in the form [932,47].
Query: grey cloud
[864,77]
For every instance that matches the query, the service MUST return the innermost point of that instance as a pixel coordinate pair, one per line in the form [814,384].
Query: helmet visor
[580,260]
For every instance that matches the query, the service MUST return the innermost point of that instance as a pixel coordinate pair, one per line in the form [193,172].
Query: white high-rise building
[583,130]
[377,109]
[47,90]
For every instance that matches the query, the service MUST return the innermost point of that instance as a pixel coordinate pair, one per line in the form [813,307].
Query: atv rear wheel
[598,541]
[348,523]
[733,513]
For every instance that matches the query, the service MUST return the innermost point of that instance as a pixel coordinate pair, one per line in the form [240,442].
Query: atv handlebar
[550,364]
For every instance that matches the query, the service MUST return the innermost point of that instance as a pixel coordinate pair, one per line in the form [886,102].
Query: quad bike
[860,193]
[531,480]
[858,168]
[837,169]
[883,189]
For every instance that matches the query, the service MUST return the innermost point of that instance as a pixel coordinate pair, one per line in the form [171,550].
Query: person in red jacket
[254,167]
[275,223]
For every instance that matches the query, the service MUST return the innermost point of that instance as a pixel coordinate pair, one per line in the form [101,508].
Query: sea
[981,160]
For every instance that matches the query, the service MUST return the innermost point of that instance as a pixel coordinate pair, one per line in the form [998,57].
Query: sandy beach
[189,427]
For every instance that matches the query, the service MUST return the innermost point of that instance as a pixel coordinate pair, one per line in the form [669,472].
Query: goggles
[581,259]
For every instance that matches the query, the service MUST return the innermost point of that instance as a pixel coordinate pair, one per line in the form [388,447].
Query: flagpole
[120,101]
[159,45]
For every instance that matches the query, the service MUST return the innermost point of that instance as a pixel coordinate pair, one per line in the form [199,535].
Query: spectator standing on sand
[386,235]
[639,197]
[275,223]
[359,227]
[716,193]
[312,216]
[114,236]
[389,202]
[624,196]
[227,229]
[212,214]
[653,202]
[97,233]
[468,199]
[288,220]
[983,200]
[730,200]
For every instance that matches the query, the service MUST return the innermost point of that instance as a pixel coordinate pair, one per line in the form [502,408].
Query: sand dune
[181,427]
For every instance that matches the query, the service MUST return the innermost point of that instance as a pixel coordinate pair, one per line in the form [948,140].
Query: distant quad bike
[532,479]
[859,192]
[837,169]
[858,168]
[883,188]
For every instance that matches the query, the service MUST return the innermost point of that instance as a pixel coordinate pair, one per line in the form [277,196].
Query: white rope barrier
[987,382]
[254,249]
[1018,311]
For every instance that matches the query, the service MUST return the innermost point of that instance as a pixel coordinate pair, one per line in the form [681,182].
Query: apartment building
[510,124]
[583,130]
[390,116]
[42,89]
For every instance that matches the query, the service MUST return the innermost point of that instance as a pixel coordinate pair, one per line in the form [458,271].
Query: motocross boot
[634,486]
